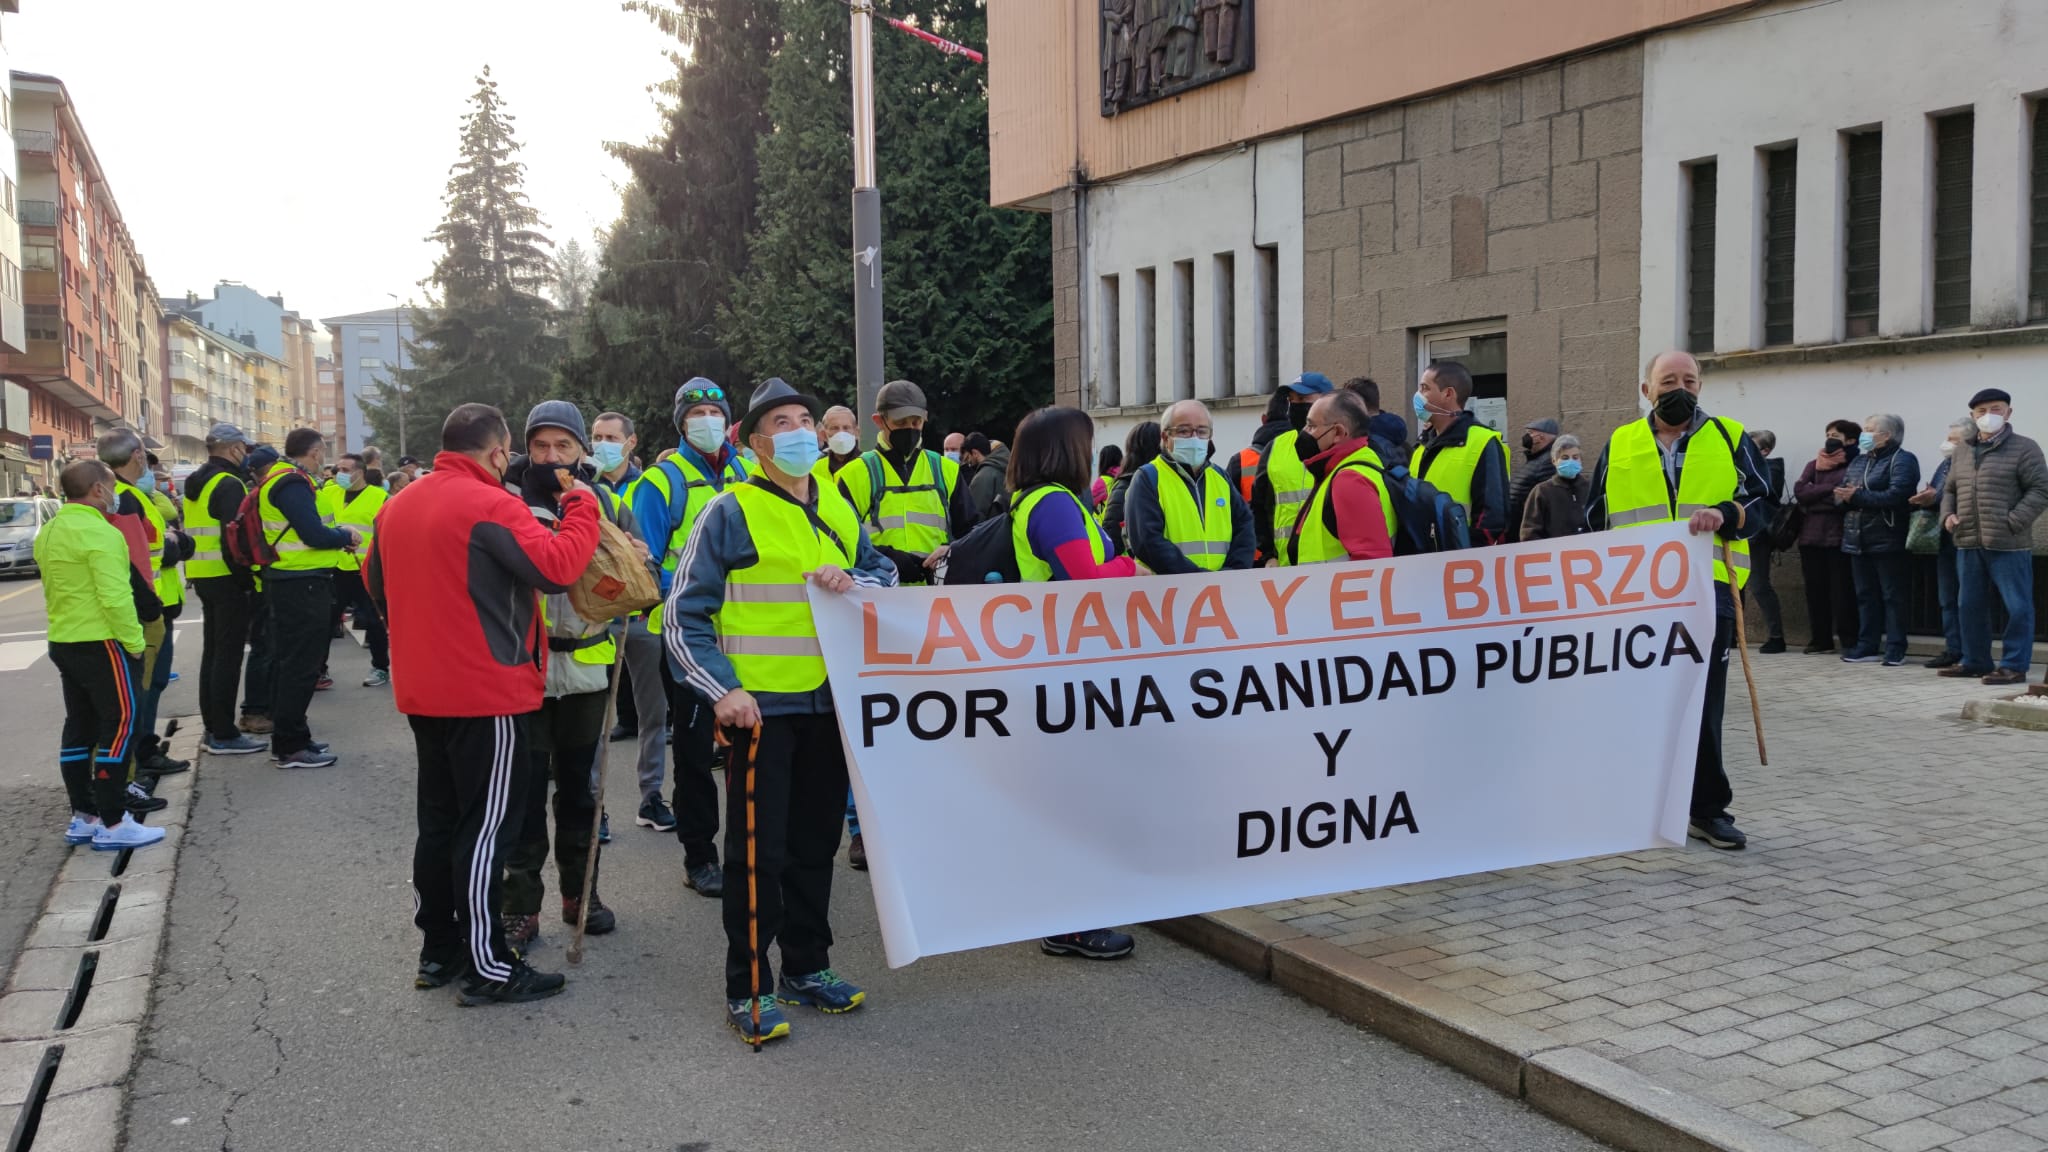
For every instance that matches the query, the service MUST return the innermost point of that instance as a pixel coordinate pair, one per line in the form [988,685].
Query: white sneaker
[126,834]
[82,830]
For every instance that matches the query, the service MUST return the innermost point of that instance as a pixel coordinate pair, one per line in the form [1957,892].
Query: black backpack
[1425,518]
[988,553]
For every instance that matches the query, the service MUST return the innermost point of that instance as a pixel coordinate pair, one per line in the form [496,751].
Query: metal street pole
[867,221]
[398,339]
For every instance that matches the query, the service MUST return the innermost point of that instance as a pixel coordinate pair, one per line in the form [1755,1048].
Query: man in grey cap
[564,735]
[1535,468]
[213,495]
[909,497]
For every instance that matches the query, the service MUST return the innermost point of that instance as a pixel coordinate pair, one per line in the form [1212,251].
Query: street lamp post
[867,218]
[397,379]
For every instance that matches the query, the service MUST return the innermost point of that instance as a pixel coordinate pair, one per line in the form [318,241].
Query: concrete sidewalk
[1871,975]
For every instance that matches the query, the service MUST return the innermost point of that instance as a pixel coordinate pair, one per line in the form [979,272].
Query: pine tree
[680,241]
[487,334]
[573,276]
[967,289]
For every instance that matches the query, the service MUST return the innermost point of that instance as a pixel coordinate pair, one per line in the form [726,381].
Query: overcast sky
[303,148]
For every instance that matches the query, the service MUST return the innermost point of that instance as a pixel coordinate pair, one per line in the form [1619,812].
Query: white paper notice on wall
[1491,411]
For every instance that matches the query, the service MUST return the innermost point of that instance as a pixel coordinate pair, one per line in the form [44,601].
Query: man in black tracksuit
[213,495]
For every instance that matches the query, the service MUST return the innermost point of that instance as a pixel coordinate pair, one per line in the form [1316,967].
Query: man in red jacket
[468,666]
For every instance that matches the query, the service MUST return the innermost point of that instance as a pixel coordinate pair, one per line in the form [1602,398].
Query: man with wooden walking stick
[1680,464]
[739,632]
[470,659]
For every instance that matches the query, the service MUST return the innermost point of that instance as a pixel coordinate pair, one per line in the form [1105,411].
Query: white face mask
[842,443]
[1990,422]
[705,433]
[1948,447]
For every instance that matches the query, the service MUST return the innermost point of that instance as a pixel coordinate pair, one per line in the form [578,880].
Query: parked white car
[21,517]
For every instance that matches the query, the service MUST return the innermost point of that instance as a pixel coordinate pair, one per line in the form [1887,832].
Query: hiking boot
[377,678]
[82,828]
[437,971]
[161,764]
[823,990]
[522,931]
[707,879]
[126,834]
[2001,677]
[1958,672]
[1721,832]
[240,745]
[656,815]
[140,802]
[1099,944]
[601,919]
[757,1021]
[857,853]
[1945,660]
[1772,646]
[526,983]
[256,724]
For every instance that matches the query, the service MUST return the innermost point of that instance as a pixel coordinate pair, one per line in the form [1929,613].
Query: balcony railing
[33,140]
[39,213]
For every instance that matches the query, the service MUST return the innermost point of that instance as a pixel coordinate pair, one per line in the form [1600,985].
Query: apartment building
[367,346]
[331,414]
[213,378]
[17,469]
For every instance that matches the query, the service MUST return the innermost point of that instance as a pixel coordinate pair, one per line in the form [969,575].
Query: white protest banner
[1032,759]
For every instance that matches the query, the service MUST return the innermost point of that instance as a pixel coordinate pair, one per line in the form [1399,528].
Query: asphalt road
[32,805]
[285,1017]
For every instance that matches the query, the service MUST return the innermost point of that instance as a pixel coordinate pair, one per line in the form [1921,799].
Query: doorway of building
[1483,350]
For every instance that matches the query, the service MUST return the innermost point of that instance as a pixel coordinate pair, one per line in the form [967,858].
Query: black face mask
[1833,445]
[904,441]
[1297,415]
[1676,407]
[1529,444]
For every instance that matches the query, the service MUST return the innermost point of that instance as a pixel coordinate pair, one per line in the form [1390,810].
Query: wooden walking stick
[604,745]
[1756,712]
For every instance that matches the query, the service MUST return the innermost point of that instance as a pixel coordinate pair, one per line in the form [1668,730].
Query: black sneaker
[1818,648]
[707,879]
[857,853]
[656,815]
[1895,661]
[526,983]
[1100,944]
[161,764]
[1721,832]
[601,919]
[306,758]
[437,971]
[1773,646]
[141,802]
[1853,656]
[1945,660]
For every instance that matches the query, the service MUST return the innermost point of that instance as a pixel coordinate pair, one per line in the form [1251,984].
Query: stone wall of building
[1518,200]
[1066,304]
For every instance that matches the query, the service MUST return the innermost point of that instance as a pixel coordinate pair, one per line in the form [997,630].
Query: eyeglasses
[1187,431]
[712,395]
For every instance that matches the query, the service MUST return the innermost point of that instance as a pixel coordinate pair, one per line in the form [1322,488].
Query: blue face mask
[608,456]
[1569,469]
[797,451]
[1866,442]
[1191,451]
[1421,407]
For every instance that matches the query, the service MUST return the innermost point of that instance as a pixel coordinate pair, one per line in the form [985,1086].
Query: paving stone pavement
[1870,975]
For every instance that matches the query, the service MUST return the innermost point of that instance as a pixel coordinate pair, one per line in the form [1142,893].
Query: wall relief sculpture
[1153,49]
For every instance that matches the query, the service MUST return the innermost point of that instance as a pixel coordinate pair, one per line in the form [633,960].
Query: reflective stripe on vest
[1030,568]
[293,555]
[910,511]
[361,512]
[765,626]
[1293,484]
[1317,544]
[1450,470]
[1637,493]
[1201,530]
[207,558]
[698,492]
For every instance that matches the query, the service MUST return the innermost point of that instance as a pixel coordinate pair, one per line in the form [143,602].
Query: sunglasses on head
[704,395]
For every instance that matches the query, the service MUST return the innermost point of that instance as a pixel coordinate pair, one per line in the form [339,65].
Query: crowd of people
[460,575]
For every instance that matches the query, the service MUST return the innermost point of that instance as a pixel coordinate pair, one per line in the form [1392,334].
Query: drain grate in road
[31,1118]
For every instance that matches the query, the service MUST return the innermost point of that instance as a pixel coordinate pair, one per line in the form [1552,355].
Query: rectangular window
[1183,330]
[1147,336]
[1109,374]
[1781,227]
[370,364]
[39,256]
[2037,293]
[1954,154]
[1699,247]
[1861,215]
[1223,339]
[369,336]
[45,322]
[1266,298]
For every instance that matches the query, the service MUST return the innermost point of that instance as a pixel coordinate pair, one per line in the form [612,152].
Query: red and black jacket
[457,566]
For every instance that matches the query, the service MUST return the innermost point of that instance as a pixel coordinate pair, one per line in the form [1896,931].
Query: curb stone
[1569,1084]
[83,1109]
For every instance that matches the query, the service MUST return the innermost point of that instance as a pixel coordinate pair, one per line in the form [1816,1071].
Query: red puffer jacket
[457,566]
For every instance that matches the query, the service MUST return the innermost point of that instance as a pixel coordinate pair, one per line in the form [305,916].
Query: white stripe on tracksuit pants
[469,804]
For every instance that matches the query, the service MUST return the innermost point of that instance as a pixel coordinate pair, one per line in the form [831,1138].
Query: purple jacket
[1815,493]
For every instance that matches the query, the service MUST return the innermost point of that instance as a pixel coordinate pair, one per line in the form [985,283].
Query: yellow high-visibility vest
[903,512]
[1315,543]
[765,626]
[1292,483]
[1199,528]
[1030,568]
[1451,469]
[1637,493]
[292,554]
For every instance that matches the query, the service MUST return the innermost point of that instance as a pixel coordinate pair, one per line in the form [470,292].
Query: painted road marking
[16,655]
